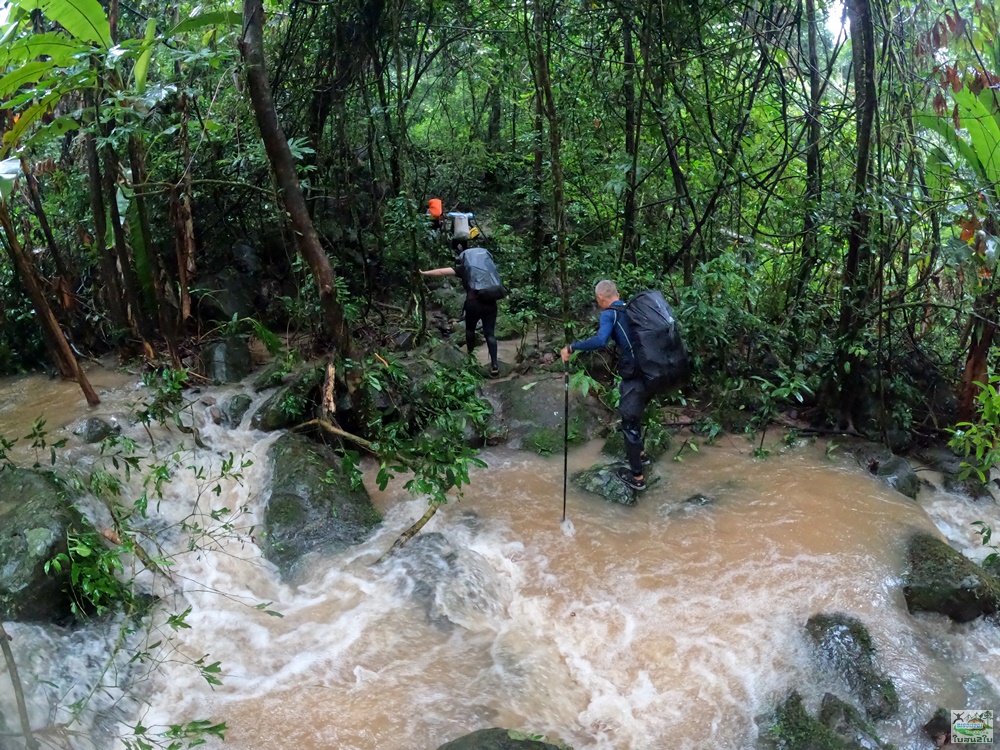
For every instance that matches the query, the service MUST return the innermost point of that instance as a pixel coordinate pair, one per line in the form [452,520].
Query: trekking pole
[565,436]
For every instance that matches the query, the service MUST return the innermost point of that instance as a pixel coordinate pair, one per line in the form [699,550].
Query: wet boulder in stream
[844,646]
[95,429]
[602,480]
[225,360]
[289,404]
[890,469]
[502,739]
[35,517]
[941,579]
[533,410]
[313,505]
[839,727]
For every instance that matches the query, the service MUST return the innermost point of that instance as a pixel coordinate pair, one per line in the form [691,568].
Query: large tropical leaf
[944,127]
[984,132]
[216,18]
[26,119]
[83,19]
[59,47]
[10,169]
[142,64]
[59,126]
[143,268]
[29,73]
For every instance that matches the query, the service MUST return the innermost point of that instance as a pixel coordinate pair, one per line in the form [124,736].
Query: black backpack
[657,347]
[481,274]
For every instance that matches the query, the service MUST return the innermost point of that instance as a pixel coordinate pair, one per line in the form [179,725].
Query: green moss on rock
[502,739]
[795,729]
[601,480]
[290,404]
[941,579]
[313,504]
[844,645]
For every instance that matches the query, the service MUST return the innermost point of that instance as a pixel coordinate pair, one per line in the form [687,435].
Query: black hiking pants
[632,401]
[476,310]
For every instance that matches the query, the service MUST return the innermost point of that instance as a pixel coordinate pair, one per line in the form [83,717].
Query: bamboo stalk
[22,709]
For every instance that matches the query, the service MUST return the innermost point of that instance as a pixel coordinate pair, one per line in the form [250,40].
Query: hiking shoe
[625,474]
[646,460]
[495,372]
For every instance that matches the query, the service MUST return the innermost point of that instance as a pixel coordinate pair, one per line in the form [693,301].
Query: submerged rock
[601,480]
[942,459]
[95,429]
[226,360]
[845,647]
[35,518]
[880,461]
[313,505]
[941,579]
[533,410]
[502,739]
[453,584]
[938,728]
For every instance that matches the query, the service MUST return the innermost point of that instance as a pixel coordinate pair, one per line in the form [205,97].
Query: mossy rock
[845,721]
[290,404]
[502,739]
[941,579]
[795,729]
[450,297]
[35,517]
[95,429]
[845,646]
[602,480]
[271,376]
[313,505]
[879,461]
[533,411]
[992,565]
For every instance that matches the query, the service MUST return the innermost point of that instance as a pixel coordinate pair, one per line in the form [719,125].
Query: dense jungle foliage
[814,186]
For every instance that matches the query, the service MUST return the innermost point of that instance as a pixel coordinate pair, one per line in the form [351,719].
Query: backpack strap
[621,328]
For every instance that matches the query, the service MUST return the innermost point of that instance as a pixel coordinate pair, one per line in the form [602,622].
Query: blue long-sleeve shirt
[613,325]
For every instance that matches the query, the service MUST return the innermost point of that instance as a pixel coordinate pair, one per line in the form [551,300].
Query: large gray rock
[941,579]
[844,646]
[291,403]
[235,408]
[533,409]
[34,520]
[95,429]
[501,739]
[942,459]
[601,480]
[313,505]
[225,360]
[223,295]
[450,296]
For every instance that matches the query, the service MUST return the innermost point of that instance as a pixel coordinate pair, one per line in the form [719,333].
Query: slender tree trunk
[43,221]
[109,272]
[856,279]
[544,84]
[59,349]
[538,180]
[131,281]
[814,167]
[278,153]
[629,239]
[982,333]
[22,710]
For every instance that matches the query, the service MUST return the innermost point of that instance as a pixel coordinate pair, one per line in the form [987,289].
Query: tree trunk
[983,331]
[62,356]
[814,167]
[43,221]
[856,279]
[629,239]
[109,272]
[538,180]
[278,153]
[131,281]
[544,86]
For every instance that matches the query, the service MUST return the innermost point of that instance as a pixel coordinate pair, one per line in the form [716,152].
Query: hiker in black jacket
[475,310]
[633,395]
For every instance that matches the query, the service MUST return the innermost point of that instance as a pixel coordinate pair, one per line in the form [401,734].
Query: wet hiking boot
[646,460]
[495,372]
[631,480]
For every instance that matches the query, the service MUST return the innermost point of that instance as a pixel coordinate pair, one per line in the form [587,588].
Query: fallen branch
[328,427]
[408,534]
[22,709]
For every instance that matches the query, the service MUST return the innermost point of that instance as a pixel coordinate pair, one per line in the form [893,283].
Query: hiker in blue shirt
[633,395]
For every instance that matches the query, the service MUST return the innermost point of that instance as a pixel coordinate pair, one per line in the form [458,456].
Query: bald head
[606,293]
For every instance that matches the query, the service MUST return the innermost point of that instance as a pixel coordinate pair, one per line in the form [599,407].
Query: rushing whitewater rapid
[671,624]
